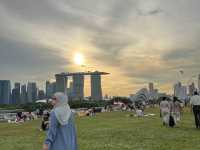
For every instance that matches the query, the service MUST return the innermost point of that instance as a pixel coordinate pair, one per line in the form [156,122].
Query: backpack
[171,121]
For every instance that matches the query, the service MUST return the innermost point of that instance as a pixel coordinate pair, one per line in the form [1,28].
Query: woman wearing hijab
[62,132]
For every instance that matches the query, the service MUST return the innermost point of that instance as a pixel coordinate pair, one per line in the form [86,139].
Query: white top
[195,100]
[165,107]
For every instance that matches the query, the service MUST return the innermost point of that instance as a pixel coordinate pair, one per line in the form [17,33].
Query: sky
[136,41]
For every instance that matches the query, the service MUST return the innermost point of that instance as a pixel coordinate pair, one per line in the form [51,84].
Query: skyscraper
[23,94]
[61,83]
[50,89]
[13,96]
[180,91]
[31,92]
[177,88]
[96,90]
[151,87]
[78,87]
[70,90]
[5,89]
[16,94]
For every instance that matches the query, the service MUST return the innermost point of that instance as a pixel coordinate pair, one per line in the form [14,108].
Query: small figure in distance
[195,105]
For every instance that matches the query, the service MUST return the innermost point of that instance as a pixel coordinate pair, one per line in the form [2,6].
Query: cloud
[151,12]
[19,58]
[137,41]
[181,54]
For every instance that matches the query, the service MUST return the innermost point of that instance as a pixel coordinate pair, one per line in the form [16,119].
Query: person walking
[195,104]
[176,109]
[165,111]
[62,133]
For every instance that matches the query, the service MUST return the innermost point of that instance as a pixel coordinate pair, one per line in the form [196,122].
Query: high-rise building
[70,91]
[50,89]
[78,87]
[16,94]
[61,83]
[23,94]
[78,84]
[53,87]
[32,92]
[151,87]
[13,96]
[177,87]
[180,91]
[96,90]
[153,93]
[5,89]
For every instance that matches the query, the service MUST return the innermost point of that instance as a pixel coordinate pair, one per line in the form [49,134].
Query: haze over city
[137,42]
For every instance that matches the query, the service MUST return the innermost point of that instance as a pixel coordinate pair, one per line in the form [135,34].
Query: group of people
[22,117]
[170,110]
[61,128]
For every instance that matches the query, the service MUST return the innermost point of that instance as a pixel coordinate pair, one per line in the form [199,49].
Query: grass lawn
[110,131]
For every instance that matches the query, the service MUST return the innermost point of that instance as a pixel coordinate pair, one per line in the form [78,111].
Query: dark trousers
[196,111]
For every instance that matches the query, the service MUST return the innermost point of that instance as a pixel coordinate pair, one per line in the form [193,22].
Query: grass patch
[110,131]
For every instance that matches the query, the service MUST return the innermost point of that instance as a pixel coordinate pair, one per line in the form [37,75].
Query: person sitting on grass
[62,133]
[45,121]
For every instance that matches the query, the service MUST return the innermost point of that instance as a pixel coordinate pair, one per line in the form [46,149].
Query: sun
[79,59]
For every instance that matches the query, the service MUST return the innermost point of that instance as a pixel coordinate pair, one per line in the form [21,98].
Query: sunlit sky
[137,41]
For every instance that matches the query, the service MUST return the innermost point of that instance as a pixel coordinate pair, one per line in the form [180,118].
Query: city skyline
[26,93]
[136,41]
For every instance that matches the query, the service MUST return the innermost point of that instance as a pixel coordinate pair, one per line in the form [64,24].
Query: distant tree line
[73,104]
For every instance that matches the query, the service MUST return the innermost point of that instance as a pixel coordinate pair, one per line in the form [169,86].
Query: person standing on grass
[165,110]
[62,133]
[195,104]
[176,109]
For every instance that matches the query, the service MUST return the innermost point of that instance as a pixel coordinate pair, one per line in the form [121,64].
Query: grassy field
[110,131]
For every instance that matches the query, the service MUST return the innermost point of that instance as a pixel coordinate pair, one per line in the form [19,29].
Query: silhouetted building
[96,90]
[32,92]
[50,89]
[78,87]
[5,92]
[23,94]
[13,96]
[151,87]
[61,83]
[180,91]
[78,84]
[16,94]
[70,91]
